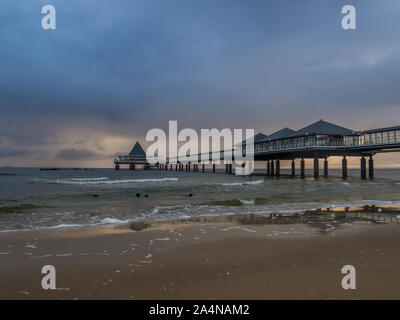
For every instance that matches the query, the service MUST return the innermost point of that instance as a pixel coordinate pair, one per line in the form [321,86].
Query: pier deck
[319,140]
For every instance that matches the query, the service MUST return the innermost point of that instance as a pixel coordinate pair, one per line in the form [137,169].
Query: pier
[318,141]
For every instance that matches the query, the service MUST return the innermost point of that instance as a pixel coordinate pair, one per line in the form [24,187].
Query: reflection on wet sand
[318,218]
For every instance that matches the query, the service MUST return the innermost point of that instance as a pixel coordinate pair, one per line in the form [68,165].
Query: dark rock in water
[137,195]
[190,195]
[146,195]
[138,226]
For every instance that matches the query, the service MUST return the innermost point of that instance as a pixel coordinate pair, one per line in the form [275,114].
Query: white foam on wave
[64,225]
[107,181]
[112,221]
[248,202]
[261,181]
[165,213]
[89,179]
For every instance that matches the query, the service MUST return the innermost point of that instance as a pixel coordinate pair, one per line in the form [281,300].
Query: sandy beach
[212,258]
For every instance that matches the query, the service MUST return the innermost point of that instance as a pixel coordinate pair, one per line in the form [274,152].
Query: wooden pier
[317,141]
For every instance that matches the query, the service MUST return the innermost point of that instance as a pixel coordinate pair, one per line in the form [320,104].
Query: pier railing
[383,139]
[131,158]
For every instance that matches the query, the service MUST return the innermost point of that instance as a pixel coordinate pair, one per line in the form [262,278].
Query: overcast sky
[113,69]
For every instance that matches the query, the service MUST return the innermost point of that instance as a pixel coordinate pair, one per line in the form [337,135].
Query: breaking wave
[104,180]
[112,221]
[261,181]
[247,202]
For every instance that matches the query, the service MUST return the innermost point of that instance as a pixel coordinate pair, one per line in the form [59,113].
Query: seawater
[34,199]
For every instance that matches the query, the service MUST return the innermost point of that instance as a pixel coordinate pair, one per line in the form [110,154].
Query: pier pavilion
[317,141]
[133,158]
[321,140]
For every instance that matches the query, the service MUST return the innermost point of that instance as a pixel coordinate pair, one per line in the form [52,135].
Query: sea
[31,198]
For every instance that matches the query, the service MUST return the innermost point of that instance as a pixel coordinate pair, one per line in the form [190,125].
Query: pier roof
[382,130]
[257,138]
[280,134]
[137,150]
[323,127]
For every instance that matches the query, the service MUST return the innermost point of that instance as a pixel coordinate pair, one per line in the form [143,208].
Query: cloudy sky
[112,70]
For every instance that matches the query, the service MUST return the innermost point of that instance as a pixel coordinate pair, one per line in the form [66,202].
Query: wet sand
[212,258]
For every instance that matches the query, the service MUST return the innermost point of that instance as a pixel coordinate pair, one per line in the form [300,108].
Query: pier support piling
[302,169]
[363,164]
[326,168]
[268,168]
[344,168]
[371,166]
[230,168]
[132,166]
[272,168]
[203,168]
[316,168]
[293,168]
[213,166]
[117,167]
[278,168]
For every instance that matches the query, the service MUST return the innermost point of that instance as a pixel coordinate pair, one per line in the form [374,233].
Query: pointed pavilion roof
[323,127]
[280,134]
[257,138]
[137,150]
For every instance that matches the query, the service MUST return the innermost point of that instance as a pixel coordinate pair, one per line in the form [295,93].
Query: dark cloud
[77,154]
[122,68]
[13,152]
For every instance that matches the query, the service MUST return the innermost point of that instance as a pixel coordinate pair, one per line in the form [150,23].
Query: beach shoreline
[231,257]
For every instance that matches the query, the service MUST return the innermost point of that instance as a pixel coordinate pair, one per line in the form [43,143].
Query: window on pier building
[310,141]
[391,136]
[397,135]
[351,140]
[264,147]
[287,144]
[298,142]
[369,138]
[378,137]
[361,140]
[322,140]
